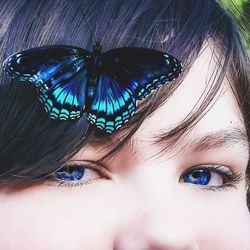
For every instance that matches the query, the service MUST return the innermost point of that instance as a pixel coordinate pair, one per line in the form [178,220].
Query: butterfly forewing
[23,65]
[140,69]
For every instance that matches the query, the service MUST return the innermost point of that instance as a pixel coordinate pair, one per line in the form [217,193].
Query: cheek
[58,220]
[74,218]
[223,223]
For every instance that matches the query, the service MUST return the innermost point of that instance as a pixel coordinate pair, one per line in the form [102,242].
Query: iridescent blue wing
[112,105]
[128,75]
[59,73]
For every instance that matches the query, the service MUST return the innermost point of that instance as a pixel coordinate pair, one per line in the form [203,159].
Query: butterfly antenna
[91,31]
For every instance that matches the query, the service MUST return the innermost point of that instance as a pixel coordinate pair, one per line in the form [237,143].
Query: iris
[199,176]
[70,174]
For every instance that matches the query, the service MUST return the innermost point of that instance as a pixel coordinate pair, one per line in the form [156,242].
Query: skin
[142,202]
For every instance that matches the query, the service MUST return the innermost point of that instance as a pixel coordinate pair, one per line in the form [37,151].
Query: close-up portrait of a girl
[124,125]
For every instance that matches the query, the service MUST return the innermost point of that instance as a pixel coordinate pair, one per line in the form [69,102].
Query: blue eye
[212,177]
[77,173]
[198,176]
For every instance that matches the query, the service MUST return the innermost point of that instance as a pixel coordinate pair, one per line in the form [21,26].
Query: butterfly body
[71,80]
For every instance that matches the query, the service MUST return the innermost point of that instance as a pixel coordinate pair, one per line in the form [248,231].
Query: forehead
[223,112]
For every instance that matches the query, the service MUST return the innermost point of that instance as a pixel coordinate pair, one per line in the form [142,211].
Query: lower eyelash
[225,187]
[73,184]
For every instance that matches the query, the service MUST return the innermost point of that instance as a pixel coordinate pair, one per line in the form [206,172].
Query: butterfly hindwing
[58,72]
[65,97]
[113,105]
[140,69]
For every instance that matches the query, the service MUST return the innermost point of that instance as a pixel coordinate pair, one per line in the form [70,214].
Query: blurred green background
[240,10]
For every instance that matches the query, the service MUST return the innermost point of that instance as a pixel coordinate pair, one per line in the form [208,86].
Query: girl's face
[140,200]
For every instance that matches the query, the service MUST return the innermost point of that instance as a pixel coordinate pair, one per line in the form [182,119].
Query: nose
[151,233]
[156,218]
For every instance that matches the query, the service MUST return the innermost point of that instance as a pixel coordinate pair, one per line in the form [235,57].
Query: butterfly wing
[59,73]
[64,99]
[140,69]
[112,105]
[128,75]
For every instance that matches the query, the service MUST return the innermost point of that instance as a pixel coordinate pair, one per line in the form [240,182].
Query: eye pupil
[196,174]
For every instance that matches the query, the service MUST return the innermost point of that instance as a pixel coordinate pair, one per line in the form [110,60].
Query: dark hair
[32,145]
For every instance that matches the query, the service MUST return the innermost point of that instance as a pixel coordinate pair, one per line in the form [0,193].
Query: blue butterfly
[71,80]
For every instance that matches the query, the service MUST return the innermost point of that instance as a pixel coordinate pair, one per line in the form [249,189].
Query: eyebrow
[211,140]
[230,137]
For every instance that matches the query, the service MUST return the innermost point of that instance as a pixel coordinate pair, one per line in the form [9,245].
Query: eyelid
[91,165]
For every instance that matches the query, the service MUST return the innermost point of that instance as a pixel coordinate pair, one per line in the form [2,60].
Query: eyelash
[232,177]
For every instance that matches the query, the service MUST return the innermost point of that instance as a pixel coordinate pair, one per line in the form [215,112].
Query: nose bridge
[155,184]
[157,219]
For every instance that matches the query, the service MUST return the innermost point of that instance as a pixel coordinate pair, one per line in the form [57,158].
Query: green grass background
[240,10]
